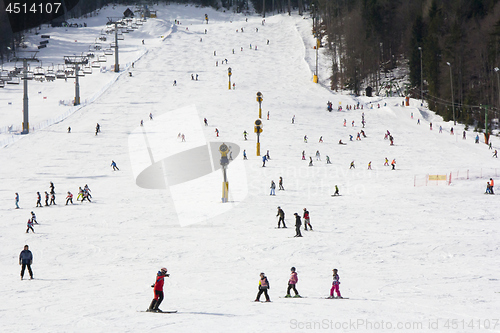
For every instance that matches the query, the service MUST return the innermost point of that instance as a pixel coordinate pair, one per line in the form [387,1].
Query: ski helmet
[292,269]
[163,270]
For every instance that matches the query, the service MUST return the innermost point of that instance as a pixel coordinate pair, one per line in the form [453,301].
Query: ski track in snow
[404,253]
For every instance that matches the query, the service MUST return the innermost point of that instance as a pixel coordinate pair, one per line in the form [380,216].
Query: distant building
[128,13]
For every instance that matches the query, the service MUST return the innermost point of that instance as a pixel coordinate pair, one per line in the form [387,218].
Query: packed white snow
[410,258]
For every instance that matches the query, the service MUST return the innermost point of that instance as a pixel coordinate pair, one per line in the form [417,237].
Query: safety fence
[453,176]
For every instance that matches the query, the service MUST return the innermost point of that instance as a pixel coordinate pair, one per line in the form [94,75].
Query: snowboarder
[113,164]
[307,220]
[291,283]
[25,261]
[69,198]
[281,215]
[245,154]
[336,191]
[263,287]
[298,223]
[38,199]
[281,184]
[335,284]
[17,200]
[52,199]
[273,187]
[30,226]
[46,198]
[158,290]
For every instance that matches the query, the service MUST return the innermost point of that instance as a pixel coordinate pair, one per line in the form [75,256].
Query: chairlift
[102,38]
[14,80]
[4,75]
[101,58]
[81,72]
[90,54]
[70,74]
[50,75]
[39,71]
[120,37]
[87,69]
[108,52]
[60,73]
[95,64]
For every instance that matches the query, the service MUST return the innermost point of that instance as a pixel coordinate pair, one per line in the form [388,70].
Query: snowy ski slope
[409,258]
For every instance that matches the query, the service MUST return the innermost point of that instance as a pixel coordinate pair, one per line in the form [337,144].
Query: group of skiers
[298,222]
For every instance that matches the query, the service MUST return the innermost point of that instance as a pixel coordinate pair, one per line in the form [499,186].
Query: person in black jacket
[25,260]
[281,214]
[298,223]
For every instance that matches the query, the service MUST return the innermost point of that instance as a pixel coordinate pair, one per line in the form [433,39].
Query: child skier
[291,284]
[273,187]
[281,184]
[69,198]
[281,215]
[263,287]
[306,220]
[336,191]
[335,284]
[38,199]
[158,290]
[30,226]
[33,218]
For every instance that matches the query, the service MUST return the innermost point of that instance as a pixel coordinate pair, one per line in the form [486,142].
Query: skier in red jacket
[158,290]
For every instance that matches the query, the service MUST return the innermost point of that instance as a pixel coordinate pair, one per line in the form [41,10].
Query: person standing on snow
[352,165]
[281,184]
[318,156]
[291,284]
[80,194]
[17,200]
[158,290]
[273,187]
[69,198]
[336,191]
[310,161]
[245,135]
[38,199]
[52,199]
[335,284]
[307,220]
[281,215]
[46,198]
[30,226]
[33,218]
[25,261]
[263,287]
[245,154]
[264,159]
[298,223]
[393,164]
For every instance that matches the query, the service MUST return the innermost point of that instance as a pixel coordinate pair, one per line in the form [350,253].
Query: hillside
[406,255]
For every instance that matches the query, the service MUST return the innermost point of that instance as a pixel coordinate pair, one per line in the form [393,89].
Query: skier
[25,261]
[69,198]
[30,226]
[281,184]
[492,183]
[205,121]
[307,220]
[267,115]
[350,137]
[217,132]
[33,218]
[370,165]
[151,114]
[80,194]
[293,119]
[264,159]
[86,193]
[320,139]
[440,129]
[46,198]
[386,162]
[477,138]
[340,142]
[328,160]
[393,164]
[305,138]
[113,164]
[69,129]
[52,199]
[273,187]
[245,135]
[142,122]
[281,215]
[495,154]
[267,155]
[17,200]
[158,290]
[335,284]
[52,188]
[291,284]
[488,190]
[489,146]
[245,154]
[358,136]
[310,161]
[303,154]
[336,191]
[451,131]
[464,135]
[318,156]
[352,165]
[298,223]
[38,199]
[263,287]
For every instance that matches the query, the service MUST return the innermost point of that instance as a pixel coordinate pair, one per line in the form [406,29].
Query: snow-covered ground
[410,258]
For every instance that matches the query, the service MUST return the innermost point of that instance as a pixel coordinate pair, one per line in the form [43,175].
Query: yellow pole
[258,148]
[225,191]
[260,109]
[229,83]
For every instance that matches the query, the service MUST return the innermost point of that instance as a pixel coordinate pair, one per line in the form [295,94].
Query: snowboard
[175,311]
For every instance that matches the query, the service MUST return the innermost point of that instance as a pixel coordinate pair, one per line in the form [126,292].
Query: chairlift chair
[39,72]
[14,80]
[101,58]
[87,69]
[60,73]
[2,84]
[4,75]
[70,74]
[108,51]
[96,64]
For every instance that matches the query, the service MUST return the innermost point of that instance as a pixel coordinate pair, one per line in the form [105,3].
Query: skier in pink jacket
[335,284]
[291,283]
